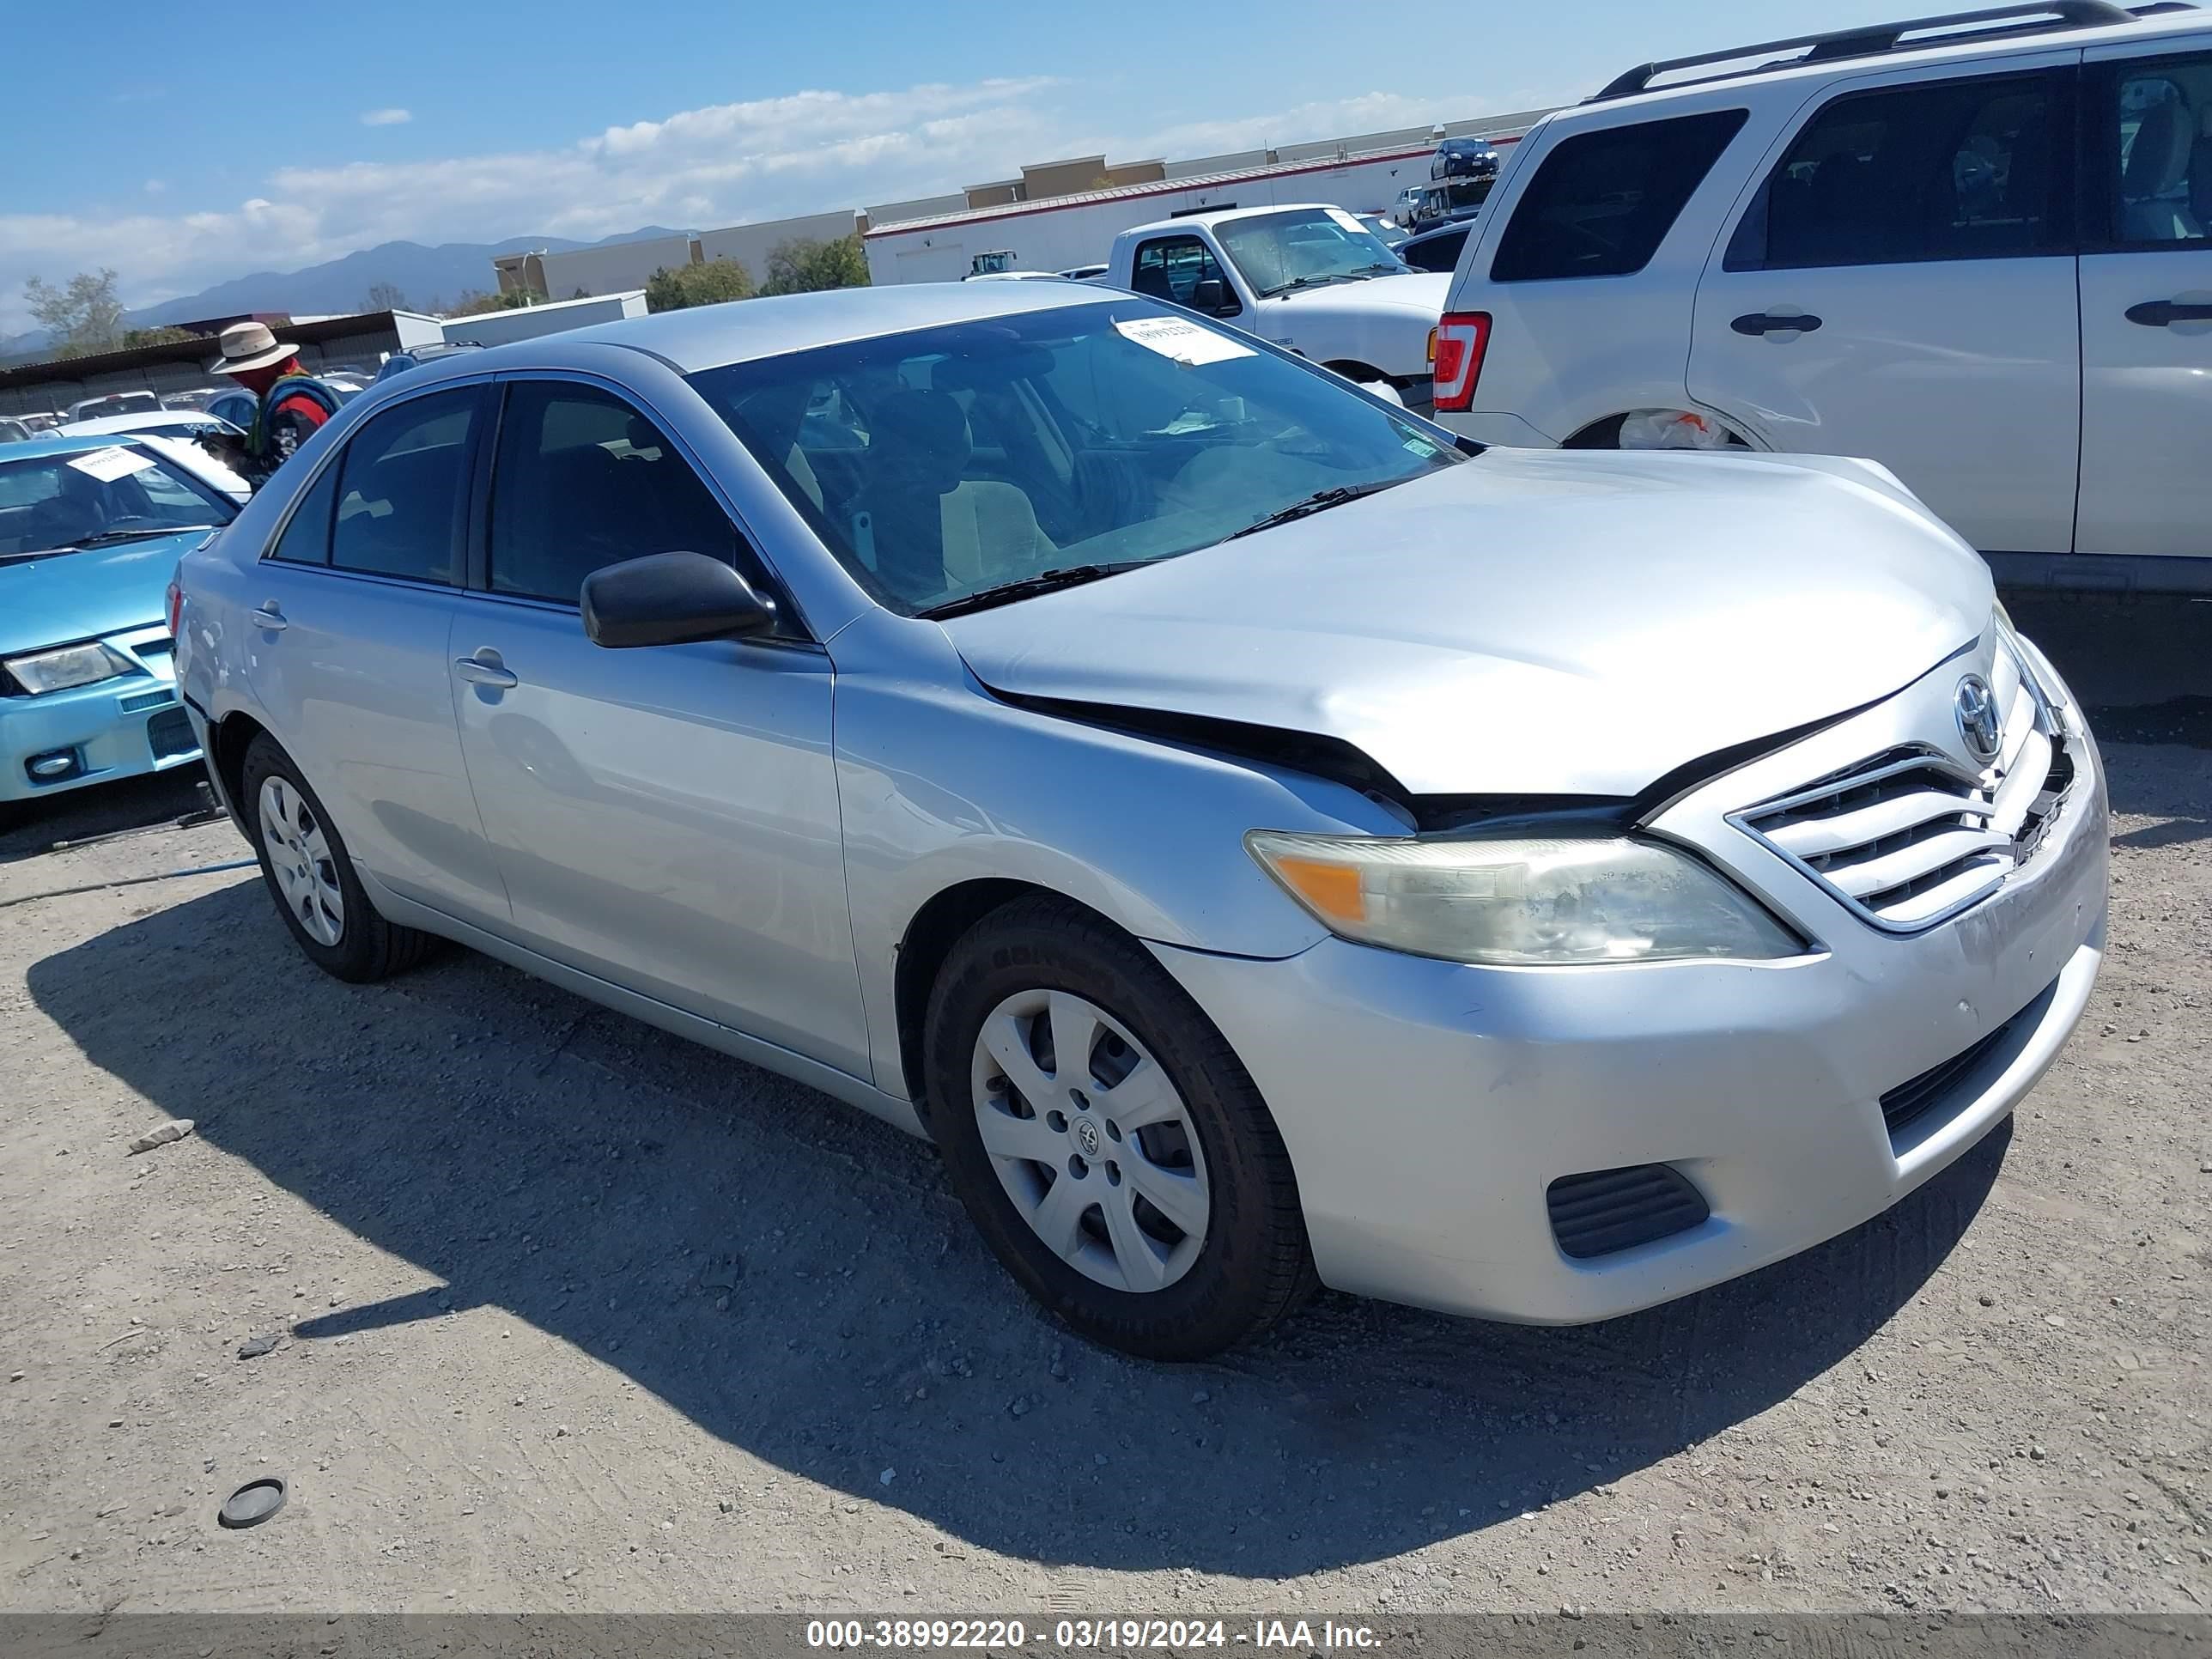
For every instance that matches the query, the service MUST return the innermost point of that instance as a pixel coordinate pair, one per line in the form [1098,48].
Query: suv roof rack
[1872,39]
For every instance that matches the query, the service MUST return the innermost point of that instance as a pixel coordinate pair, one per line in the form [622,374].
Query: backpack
[270,448]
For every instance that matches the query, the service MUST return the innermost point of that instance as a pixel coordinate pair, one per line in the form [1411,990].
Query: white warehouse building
[1052,216]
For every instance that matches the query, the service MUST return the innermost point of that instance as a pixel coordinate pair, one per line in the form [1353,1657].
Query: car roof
[743,330]
[2146,29]
[144,420]
[58,444]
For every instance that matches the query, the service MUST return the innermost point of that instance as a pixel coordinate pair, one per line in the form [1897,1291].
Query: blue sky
[337,127]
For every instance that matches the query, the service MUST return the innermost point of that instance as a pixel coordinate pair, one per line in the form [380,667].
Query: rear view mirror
[1210,296]
[671,599]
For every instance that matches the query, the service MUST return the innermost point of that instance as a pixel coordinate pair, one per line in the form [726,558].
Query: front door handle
[476,671]
[2159,314]
[1768,322]
[269,616]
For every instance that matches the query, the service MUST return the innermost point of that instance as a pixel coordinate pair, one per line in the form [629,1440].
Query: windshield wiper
[1320,501]
[1307,282]
[117,537]
[983,599]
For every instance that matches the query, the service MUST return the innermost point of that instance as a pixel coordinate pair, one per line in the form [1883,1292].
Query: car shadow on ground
[29,829]
[794,1278]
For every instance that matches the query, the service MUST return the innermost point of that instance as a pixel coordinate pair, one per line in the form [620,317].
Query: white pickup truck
[1312,278]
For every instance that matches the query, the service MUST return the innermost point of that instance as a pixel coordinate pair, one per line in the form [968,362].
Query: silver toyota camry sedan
[1261,841]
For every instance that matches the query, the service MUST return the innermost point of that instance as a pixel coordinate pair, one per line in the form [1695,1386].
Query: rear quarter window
[1602,203]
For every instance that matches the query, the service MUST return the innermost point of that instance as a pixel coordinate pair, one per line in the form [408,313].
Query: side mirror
[1211,296]
[671,599]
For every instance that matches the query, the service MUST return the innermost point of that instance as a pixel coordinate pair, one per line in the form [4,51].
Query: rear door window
[1944,170]
[306,538]
[1439,253]
[404,489]
[1602,201]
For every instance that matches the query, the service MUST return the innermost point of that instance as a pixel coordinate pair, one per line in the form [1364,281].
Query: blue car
[91,529]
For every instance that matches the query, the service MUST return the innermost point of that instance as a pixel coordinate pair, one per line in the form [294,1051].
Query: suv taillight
[1461,338]
[176,606]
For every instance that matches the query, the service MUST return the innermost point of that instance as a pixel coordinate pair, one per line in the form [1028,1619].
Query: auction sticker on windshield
[1187,342]
[1344,221]
[109,464]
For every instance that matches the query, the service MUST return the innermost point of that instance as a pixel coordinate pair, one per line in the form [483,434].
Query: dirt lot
[574,1316]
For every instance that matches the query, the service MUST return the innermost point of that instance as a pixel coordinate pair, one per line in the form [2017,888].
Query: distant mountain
[423,275]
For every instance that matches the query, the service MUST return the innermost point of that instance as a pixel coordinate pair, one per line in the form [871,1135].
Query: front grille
[170,731]
[1602,1211]
[1916,1097]
[1908,837]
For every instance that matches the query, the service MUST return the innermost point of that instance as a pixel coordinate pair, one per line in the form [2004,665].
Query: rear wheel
[312,878]
[1107,1141]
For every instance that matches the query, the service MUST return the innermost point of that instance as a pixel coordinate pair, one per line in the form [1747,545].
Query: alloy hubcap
[301,859]
[1090,1140]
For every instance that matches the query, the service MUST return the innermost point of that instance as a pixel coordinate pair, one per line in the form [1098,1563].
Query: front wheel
[1107,1141]
[310,875]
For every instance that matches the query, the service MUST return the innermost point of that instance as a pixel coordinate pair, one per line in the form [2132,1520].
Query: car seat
[76,511]
[918,523]
[2156,172]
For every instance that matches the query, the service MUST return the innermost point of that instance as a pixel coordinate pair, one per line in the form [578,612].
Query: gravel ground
[570,1315]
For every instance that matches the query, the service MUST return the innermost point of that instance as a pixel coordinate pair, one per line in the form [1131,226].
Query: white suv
[1977,249]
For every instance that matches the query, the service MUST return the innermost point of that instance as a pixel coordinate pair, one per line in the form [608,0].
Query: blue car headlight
[41,672]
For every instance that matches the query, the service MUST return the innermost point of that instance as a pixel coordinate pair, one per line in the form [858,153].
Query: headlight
[1517,903]
[73,664]
[2047,689]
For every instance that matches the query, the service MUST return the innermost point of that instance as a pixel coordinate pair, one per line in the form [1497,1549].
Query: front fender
[940,783]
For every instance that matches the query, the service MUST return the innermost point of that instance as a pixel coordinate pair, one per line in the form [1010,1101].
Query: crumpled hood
[67,597]
[1532,622]
[1423,291]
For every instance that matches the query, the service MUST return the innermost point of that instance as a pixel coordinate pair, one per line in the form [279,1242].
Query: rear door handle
[476,671]
[268,616]
[1768,322]
[2158,314]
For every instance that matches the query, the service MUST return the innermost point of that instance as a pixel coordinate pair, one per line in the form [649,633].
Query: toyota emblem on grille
[1977,707]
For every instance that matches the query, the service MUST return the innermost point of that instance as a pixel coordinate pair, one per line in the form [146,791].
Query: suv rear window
[1602,201]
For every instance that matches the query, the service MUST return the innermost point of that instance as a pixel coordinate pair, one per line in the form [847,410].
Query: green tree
[385,296]
[707,284]
[163,334]
[474,302]
[804,265]
[81,316]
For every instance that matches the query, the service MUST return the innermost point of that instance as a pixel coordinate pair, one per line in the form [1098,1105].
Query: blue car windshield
[946,461]
[100,497]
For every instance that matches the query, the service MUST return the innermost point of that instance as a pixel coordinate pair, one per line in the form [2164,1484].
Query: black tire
[1254,1266]
[369,947]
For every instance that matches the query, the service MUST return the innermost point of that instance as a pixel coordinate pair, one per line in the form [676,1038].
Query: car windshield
[97,498]
[940,464]
[1301,246]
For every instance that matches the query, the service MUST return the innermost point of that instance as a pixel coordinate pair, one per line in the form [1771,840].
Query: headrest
[2158,161]
[918,438]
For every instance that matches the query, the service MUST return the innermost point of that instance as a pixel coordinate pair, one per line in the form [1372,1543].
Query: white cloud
[386,118]
[155,187]
[765,159]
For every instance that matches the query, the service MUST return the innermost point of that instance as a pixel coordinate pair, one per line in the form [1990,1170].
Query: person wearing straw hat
[291,404]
